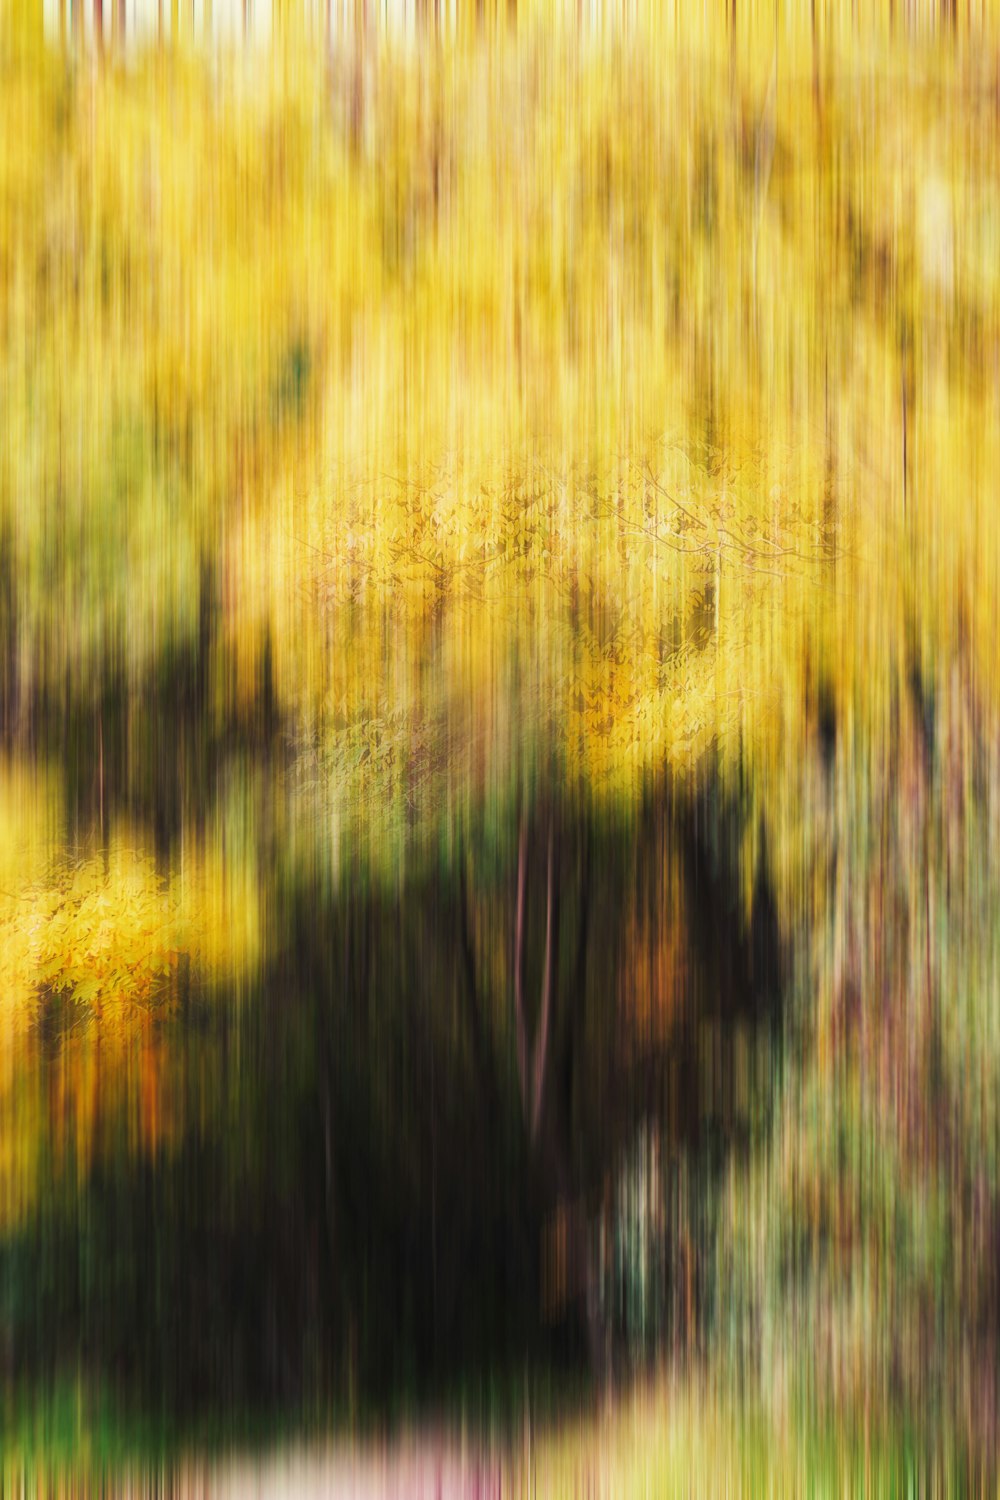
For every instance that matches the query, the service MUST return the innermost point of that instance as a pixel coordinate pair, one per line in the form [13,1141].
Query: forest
[500,746]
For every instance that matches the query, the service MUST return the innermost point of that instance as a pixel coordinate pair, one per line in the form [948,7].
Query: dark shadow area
[408,1146]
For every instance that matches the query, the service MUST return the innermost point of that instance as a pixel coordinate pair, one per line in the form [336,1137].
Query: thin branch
[651,477]
[583,929]
[542,1040]
[522,1039]
[477,1034]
